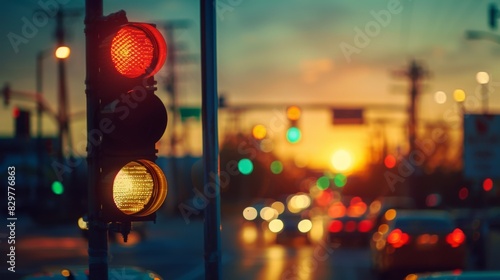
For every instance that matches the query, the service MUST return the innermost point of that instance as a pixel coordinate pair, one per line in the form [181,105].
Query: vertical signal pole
[209,108]
[98,242]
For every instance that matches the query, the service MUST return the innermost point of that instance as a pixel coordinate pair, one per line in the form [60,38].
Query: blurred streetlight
[483,79]
[440,97]
[459,97]
[62,52]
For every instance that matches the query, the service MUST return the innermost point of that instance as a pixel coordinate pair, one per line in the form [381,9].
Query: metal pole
[39,89]
[98,235]
[209,107]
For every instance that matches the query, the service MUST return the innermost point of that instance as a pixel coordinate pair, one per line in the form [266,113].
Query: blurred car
[289,226]
[456,275]
[418,240]
[348,230]
[82,273]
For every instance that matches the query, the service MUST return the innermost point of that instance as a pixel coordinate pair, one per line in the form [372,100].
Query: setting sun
[341,160]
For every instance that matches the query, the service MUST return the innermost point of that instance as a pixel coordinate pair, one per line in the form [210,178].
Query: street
[174,250]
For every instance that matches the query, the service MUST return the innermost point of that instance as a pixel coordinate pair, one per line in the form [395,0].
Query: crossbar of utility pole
[209,108]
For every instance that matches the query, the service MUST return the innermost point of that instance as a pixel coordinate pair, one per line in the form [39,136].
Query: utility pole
[175,194]
[415,74]
[209,110]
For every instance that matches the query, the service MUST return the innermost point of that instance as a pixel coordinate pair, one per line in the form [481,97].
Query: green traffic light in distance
[293,135]
[57,187]
[245,166]
[276,167]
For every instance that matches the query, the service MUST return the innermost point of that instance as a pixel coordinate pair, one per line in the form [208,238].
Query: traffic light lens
[139,188]
[132,51]
[293,113]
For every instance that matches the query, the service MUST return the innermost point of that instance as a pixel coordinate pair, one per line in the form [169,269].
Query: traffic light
[492,16]
[293,133]
[131,119]
[6,92]
[22,123]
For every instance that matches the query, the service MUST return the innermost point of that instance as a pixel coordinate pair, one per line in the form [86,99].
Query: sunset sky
[288,52]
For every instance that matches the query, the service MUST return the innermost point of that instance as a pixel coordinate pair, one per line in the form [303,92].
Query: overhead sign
[481,146]
[347,116]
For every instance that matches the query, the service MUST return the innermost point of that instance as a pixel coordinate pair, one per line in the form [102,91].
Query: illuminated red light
[16,112]
[365,226]
[335,226]
[138,50]
[390,161]
[487,184]
[455,238]
[463,193]
[397,238]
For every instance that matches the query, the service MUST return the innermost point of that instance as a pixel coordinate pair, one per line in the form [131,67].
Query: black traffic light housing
[492,16]
[131,119]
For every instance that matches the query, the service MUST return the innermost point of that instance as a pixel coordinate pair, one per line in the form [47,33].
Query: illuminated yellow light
[250,213]
[65,273]
[62,52]
[278,206]
[293,113]
[268,213]
[82,224]
[411,277]
[383,228]
[390,214]
[459,95]
[259,132]
[139,188]
[276,225]
[305,225]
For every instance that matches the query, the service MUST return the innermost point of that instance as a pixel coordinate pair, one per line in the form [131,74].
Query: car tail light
[455,238]
[350,226]
[335,226]
[365,226]
[397,238]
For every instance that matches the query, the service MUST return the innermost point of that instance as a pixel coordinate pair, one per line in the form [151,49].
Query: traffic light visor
[138,50]
[139,188]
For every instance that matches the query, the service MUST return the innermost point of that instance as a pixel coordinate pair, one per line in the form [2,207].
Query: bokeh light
[57,187]
[341,160]
[278,206]
[305,225]
[323,182]
[250,213]
[276,167]
[340,180]
[459,95]
[390,161]
[259,132]
[440,97]
[482,77]
[293,135]
[276,225]
[245,166]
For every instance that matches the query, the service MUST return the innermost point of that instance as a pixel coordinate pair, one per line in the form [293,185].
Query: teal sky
[288,51]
